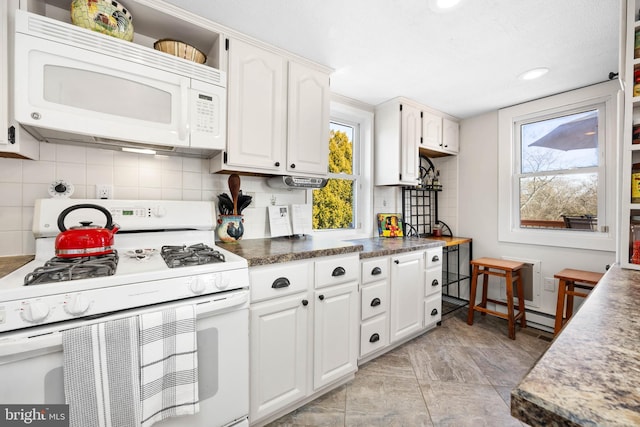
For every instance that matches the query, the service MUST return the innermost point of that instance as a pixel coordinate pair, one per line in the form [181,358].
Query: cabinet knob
[277,164]
[375,302]
[396,261]
[434,312]
[434,282]
[374,338]
[321,297]
[280,282]
[293,166]
[338,271]
[376,271]
[305,302]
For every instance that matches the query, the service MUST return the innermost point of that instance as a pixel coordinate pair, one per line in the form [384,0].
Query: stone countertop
[283,249]
[381,246]
[12,263]
[590,374]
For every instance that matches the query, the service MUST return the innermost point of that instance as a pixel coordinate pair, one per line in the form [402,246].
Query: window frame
[509,119]
[351,113]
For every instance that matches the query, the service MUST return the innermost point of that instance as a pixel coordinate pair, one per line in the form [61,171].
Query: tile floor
[454,375]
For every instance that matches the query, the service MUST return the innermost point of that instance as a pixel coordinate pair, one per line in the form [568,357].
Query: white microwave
[73,85]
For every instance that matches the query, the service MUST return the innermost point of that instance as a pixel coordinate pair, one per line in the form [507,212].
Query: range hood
[296,182]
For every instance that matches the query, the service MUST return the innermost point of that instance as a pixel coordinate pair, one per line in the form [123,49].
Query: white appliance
[73,85]
[33,316]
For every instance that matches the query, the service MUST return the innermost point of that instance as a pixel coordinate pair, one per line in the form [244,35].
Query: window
[333,205]
[557,169]
[338,207]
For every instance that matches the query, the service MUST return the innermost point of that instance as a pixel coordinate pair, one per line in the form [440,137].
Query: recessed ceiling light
[533,74]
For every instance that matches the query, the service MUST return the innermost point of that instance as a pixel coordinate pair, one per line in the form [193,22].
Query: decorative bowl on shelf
[103,16]
[181,50]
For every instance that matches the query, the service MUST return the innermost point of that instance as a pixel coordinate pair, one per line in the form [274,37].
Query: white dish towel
[168,364]
[102,374]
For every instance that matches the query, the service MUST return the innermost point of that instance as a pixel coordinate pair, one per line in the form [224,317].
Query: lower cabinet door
[278,354]
[407,295]
[335,333]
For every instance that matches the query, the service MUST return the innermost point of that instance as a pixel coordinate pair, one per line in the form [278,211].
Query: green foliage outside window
[333,204]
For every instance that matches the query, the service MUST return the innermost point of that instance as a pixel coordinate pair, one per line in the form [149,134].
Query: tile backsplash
[131,176]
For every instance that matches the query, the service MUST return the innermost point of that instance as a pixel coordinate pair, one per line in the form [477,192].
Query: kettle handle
[109,225]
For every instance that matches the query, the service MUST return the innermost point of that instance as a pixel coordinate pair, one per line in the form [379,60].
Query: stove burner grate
[183,256]
[63,269]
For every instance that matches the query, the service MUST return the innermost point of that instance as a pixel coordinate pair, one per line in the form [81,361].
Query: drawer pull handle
[374,338]
[376,271]
[396,261]
[435,258]
[434,282]
[375,302]
[280,282]
[338,271]
[305,302]
[434,312]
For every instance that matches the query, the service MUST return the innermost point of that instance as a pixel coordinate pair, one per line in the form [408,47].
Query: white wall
[478,210]
[133,176]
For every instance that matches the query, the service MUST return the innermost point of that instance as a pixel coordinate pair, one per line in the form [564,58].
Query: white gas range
[213,279]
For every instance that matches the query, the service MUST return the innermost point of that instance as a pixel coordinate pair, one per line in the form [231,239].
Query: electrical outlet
[549,284]
[104,191]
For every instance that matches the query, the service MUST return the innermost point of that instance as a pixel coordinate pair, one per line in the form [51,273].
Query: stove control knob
[76,305]
[158,211]
[198,284]
[35,311]
[222,281]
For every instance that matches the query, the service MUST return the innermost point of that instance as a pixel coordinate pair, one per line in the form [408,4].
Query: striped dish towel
[101,374]
[168,364]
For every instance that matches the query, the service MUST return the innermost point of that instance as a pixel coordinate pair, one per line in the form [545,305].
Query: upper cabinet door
[410,133]
[431,131]
[308,136]
[256,108]
[4,102]
[450,136]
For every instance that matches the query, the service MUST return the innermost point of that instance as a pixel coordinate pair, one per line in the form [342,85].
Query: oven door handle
[21,348]
[215,306]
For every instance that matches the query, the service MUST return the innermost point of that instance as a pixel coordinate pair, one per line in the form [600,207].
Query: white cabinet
[407,294]
[15,142]
[374,305]
[398,128]
[433,287]
[278,114]
[304,331]
[431,131]
[257,104]
[450,136]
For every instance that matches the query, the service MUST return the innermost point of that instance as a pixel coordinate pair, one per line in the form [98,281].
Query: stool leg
[521,309]
[510,315]
[472,295]
[571,289]
[559,306]
[485,288]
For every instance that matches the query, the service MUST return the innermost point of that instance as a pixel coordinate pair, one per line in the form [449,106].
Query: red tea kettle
[85,239]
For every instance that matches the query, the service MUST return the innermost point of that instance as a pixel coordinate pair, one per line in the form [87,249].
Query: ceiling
[464,61]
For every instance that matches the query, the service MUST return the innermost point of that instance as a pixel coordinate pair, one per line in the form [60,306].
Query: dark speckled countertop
[283,249]
[590,376]
[11,263]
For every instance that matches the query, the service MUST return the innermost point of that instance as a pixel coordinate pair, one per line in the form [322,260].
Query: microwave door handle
[183,126]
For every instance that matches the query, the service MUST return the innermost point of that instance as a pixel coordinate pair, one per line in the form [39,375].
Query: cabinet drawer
[432,310]
[277,280]
[375,269]
[337,269]
[374,299]
[433,258]
[374,335]
[433,282]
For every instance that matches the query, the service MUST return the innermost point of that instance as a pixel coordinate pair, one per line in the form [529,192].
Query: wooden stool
[510,270]
[569,280]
